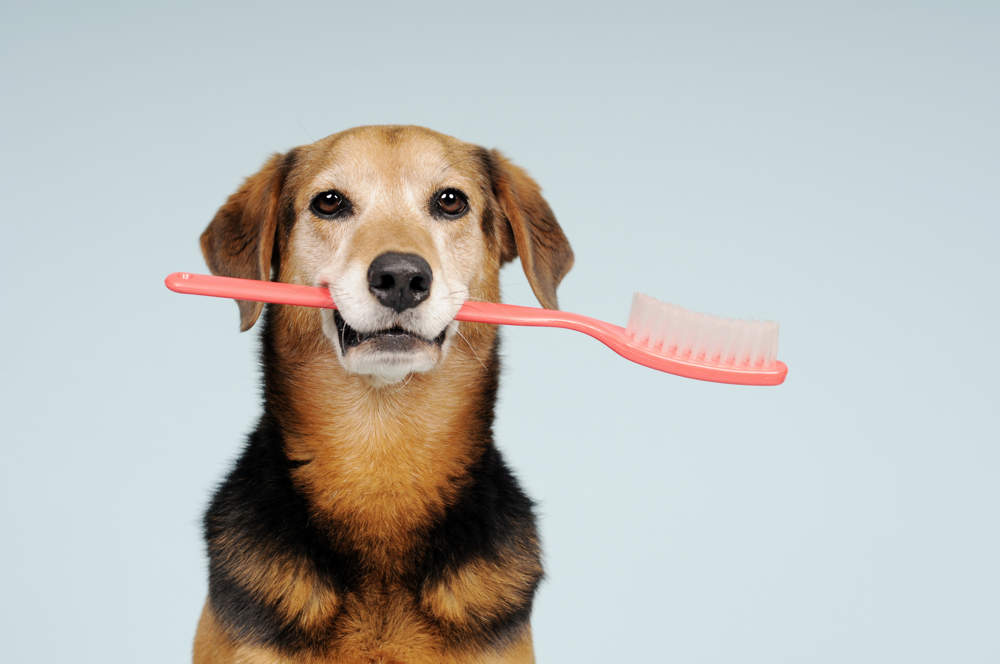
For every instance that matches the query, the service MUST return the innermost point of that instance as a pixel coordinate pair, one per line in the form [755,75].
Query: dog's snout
[399,281]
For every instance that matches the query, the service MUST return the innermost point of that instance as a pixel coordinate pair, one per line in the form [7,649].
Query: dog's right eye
[330,204]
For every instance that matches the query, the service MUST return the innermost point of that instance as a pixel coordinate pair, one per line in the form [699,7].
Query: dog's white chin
[388,368]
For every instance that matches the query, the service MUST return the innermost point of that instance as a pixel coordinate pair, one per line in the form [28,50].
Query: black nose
[399,281]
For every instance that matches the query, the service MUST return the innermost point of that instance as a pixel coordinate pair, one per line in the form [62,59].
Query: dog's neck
[380,463]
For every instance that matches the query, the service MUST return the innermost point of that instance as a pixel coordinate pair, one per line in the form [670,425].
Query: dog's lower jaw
[381,368]
[389,368]
[383,380]
[391,374]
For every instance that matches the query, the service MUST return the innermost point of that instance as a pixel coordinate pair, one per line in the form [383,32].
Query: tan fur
[537,238]
[477,592]
[211,643]
[389,234]
[403,639]
[288,583]
[370,467]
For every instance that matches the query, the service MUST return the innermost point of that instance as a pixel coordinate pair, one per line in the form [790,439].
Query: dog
[370,517]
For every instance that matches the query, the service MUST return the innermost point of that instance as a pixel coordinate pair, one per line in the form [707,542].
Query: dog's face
[403,225]
[392,228]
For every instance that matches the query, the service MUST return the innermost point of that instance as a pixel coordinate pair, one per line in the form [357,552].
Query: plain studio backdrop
[831,167]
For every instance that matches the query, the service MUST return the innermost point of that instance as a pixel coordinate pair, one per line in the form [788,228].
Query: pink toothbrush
[659,335]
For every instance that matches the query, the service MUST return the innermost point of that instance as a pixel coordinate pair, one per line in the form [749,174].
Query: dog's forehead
[389,156]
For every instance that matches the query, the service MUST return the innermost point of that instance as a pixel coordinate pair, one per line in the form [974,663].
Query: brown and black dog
[370,517]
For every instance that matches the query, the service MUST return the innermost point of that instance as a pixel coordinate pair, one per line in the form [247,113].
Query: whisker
[471,349]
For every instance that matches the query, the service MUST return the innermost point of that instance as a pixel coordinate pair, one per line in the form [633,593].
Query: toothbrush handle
[249,289]
[314,296]
[515,314]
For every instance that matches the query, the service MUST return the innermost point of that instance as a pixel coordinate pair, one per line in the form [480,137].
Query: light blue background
[834,167]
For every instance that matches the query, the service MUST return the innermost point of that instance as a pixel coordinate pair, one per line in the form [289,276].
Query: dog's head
[403,225]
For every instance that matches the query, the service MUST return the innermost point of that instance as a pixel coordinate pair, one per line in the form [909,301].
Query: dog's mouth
[393,339]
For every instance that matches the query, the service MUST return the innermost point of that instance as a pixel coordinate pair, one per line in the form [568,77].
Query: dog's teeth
[350,337]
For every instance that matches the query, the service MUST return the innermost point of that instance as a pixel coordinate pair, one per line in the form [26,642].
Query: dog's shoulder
[482,561]
[274,576]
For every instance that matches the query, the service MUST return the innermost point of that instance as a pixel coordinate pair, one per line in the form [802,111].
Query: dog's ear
[239,241]
[529,228]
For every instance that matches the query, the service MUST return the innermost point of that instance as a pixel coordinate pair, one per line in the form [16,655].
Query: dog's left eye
[450,203]
[330,204]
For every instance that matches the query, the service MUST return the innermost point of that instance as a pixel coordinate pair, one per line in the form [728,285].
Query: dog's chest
[385,625]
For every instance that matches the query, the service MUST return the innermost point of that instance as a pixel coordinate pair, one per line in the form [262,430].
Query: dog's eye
[450,203]
[330,204]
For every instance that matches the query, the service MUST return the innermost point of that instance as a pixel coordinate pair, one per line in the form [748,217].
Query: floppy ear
[530,229]
[239,241]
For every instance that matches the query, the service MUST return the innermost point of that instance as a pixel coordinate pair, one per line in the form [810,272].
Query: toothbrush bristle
[674,332]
